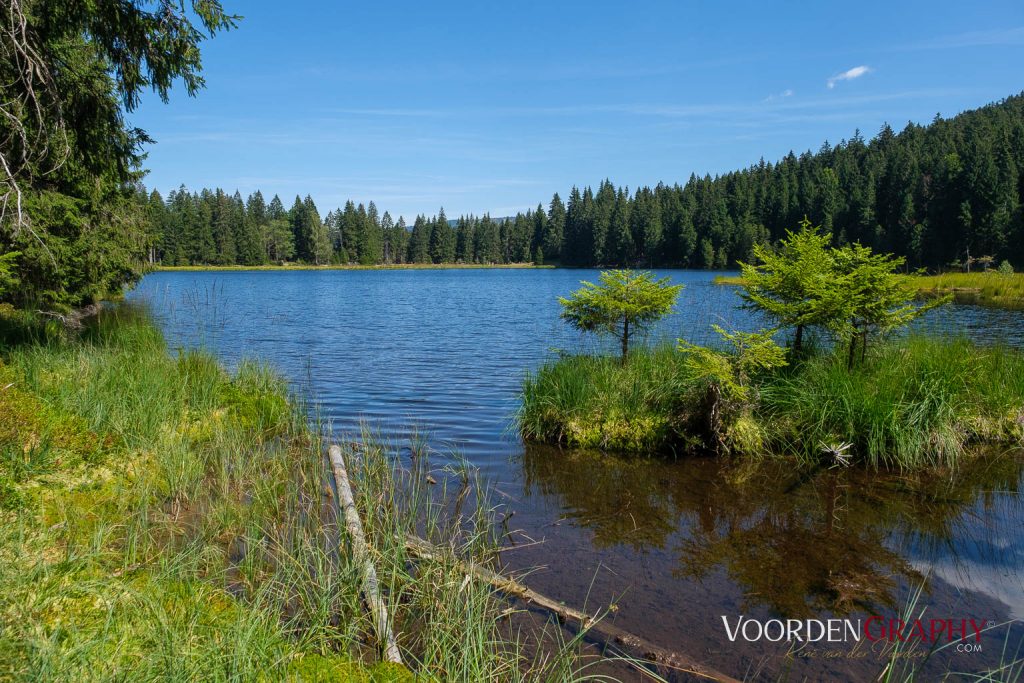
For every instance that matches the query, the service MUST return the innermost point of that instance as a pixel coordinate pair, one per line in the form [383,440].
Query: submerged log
[360,551]
[613,636]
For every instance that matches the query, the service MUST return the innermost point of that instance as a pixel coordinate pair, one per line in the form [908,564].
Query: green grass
[163,519]
[986,289]
[914,403]
[596,402]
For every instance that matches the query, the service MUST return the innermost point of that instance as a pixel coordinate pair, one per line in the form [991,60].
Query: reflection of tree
[797,542]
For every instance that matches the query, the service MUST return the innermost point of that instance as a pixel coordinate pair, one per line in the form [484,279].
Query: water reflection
[800,543]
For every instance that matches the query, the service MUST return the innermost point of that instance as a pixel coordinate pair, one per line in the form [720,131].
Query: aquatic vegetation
[910,403]
[597,402]
[914,402]
[163,518]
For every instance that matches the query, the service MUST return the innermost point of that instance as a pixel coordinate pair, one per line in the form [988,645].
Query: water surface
[674,544]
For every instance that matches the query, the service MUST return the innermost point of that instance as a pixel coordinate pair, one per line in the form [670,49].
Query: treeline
[213,228]
[941,195]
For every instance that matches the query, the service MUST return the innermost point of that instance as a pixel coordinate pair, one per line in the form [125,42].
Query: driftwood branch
[360,551]
[613,635]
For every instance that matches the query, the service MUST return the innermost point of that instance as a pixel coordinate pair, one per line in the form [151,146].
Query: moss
[745,436]
[257,401]
[635,433]
[317,668]
[27,422]
[11,497]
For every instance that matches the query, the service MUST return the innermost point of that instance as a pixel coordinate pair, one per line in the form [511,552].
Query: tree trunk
[614,636]
[361,553]
[853,349]
[625,339]
[799,339]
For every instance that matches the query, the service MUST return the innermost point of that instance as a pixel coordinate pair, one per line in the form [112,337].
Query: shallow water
[675,545]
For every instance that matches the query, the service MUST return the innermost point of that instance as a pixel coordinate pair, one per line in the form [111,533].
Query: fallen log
[360,551]
[614,636]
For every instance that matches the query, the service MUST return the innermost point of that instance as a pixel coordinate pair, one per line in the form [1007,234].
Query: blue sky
[483,106]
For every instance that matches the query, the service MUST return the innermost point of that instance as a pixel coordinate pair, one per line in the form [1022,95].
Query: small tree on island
[850,291]
[875,296]
[624,304]
[794,283]
[729,391]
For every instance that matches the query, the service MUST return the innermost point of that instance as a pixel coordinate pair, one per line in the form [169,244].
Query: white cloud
[848,75]
[788,92]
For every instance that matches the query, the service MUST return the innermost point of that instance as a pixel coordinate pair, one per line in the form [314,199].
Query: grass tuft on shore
[162,518]
[991,288]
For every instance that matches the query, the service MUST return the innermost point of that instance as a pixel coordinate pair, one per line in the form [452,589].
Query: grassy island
[164,519]
[914,402]
[865,394]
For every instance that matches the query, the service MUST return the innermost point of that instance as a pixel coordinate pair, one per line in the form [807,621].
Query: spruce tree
[552,242]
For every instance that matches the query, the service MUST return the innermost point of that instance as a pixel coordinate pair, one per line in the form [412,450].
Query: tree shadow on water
[798,542]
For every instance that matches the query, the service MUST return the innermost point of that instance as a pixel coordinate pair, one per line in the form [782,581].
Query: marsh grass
[915,402]
[990,288]
[597,402]
[163,519]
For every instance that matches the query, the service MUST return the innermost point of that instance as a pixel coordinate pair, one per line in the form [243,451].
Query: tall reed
[168,520]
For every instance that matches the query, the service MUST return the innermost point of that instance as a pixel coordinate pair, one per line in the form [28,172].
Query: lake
[676,545]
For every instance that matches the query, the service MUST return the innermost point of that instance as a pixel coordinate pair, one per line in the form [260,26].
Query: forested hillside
[938,194]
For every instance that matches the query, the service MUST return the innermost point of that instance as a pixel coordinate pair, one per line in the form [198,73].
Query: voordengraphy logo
[873,629]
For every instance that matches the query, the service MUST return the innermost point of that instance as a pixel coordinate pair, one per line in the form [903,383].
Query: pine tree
[442,240]
[387,229]
[419,241]
[371,249]
[400,240]
[620,248]
[301,231]
[350,232]
[555,233]
[319,243]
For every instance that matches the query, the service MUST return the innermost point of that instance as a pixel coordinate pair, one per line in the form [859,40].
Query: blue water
[443,352]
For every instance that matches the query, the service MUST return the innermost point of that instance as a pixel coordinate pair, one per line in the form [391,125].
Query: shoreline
[380,266]
[991,289]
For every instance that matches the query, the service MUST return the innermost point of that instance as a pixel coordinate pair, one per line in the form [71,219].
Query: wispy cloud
[788,92]
[848,75]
